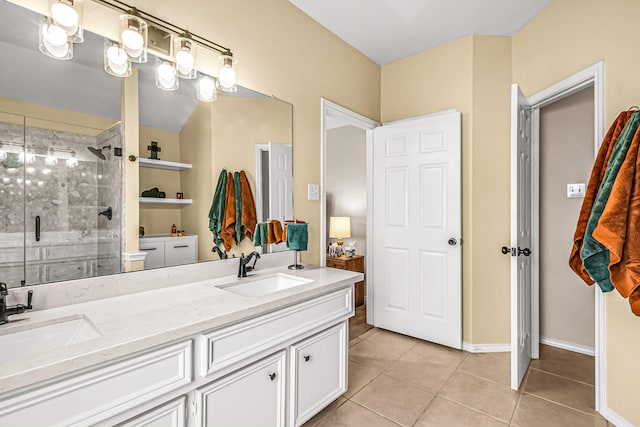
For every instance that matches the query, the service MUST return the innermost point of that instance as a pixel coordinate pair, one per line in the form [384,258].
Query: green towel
[595,256]
[216,213]
[261,235]
[238,192]
[297,237]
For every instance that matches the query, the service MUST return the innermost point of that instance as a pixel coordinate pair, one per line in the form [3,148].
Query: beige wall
[566,156]
[472,75]
[565,38]
[346,181]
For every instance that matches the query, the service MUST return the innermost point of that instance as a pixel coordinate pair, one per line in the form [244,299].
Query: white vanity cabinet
[253,396]
[166,251]
[172,414]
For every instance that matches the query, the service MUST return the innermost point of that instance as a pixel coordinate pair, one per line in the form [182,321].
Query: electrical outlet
[575,190]
[313,192]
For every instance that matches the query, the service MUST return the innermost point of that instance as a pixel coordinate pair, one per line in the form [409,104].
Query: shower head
[98,151]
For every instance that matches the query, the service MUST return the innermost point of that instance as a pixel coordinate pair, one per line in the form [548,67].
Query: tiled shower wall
[74,242]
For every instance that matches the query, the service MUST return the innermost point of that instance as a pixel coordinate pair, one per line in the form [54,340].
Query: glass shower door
[12,177]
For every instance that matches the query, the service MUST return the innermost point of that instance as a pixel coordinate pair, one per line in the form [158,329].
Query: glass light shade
[51,159]
[207,89]
[166,75]
[228,73]
[184,51]
[27,157]
[53,40]
[134,33]
[72,161]
[67,14]
[339,227]
[116,60]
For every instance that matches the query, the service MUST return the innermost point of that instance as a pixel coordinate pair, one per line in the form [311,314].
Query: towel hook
[634,107]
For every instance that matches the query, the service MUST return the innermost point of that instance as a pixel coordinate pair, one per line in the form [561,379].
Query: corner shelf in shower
[163,164]
[159,201]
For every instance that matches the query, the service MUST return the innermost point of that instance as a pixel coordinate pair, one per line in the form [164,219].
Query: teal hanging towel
[216,213]
[297,236]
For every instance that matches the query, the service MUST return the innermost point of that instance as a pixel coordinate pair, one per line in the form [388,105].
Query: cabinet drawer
[97,395]
[231,345]
[318,372]
[180,251]
[171,414]
[155,254]
[252,396]
[335,264]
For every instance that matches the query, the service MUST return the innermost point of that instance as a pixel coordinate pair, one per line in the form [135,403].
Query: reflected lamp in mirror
[339,228]
[228,73]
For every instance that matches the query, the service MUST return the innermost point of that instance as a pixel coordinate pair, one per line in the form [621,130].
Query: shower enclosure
[55,181]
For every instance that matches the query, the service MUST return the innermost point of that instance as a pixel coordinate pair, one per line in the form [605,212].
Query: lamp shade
[339,227]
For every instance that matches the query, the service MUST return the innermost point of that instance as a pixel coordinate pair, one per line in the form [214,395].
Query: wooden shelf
[163,164]
[160,201]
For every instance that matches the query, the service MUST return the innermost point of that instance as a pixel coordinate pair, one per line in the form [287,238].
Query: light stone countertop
[136,322]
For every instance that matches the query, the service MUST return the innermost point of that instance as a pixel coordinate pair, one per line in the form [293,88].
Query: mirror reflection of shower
[98,151]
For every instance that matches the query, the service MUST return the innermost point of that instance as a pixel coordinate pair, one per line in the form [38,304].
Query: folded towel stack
[268,233]
[154,192]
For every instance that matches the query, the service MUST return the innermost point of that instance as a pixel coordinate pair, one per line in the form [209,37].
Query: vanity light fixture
[228,72]
[116,60]
[67,15]
[184,51]
[53,40]
[207,89]
[166,75]
[134,35]
[72,161]
[51,159]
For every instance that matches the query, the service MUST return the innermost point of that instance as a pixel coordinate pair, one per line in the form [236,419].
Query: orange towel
[619,227]
[277,231]
[597,175]
[271,237]
[249,216]
[228,231]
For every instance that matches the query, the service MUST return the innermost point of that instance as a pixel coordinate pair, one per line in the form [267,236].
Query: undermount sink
[264,285]
[25,339]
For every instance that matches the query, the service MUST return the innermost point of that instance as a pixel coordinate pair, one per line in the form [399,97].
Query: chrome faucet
[242,268]
[5,311]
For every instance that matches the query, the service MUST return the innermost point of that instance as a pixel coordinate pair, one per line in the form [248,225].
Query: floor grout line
[375,412]
[563,377]
[561,404]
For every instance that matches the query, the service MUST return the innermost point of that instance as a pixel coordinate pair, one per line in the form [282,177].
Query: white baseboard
[486,348]
[577,348]
[615,419]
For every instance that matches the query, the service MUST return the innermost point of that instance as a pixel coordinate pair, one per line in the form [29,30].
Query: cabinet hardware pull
[37,228]
[272,376]
[149,249]
[307,358]
[180,246]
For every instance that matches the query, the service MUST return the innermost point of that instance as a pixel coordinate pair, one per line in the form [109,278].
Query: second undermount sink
[25,339]
[251,287]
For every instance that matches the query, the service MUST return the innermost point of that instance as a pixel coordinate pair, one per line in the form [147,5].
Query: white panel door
[417,256]
[520,236]
[280,181]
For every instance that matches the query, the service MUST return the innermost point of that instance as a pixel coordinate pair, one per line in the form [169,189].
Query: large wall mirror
[62,210]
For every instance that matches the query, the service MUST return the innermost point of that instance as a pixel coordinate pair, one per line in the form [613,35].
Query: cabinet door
[253,396]
[180,251]
[170,414]
[155,254]
[319,372]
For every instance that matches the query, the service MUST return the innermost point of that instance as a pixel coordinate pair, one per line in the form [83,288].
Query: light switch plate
[575,190]
[313,192]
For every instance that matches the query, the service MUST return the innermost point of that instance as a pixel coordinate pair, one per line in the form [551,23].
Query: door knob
[452,242]
[272,376]
[307,358]
[525,251]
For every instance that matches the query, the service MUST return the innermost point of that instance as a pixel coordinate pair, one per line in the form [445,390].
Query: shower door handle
[37,228]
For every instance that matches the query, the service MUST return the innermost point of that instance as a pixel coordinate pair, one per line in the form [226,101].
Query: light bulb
[184,62]
[206,89]
[227,77]
[133,42]
[54,41]
[133,35]
[27,157]
[65,16]
[117,61]
[50,160]
[166,77]
[72,161]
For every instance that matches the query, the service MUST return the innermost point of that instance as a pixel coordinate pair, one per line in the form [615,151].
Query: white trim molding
[576,348]
[616,419]
[486,348]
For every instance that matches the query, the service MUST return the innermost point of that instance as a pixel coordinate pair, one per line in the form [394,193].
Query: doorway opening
[346,139]
[548,195]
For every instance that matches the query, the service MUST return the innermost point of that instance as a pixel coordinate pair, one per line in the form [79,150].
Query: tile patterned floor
[395,380]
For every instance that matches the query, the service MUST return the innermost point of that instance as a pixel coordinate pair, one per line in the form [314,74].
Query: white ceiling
[388,30]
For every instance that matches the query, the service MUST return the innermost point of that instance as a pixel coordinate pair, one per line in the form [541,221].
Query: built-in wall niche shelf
[161,201]
[163,164]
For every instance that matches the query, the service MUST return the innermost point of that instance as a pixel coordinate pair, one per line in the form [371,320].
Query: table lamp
[339,228]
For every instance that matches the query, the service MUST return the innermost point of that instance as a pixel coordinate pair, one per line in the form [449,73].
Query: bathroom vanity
[266,350]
